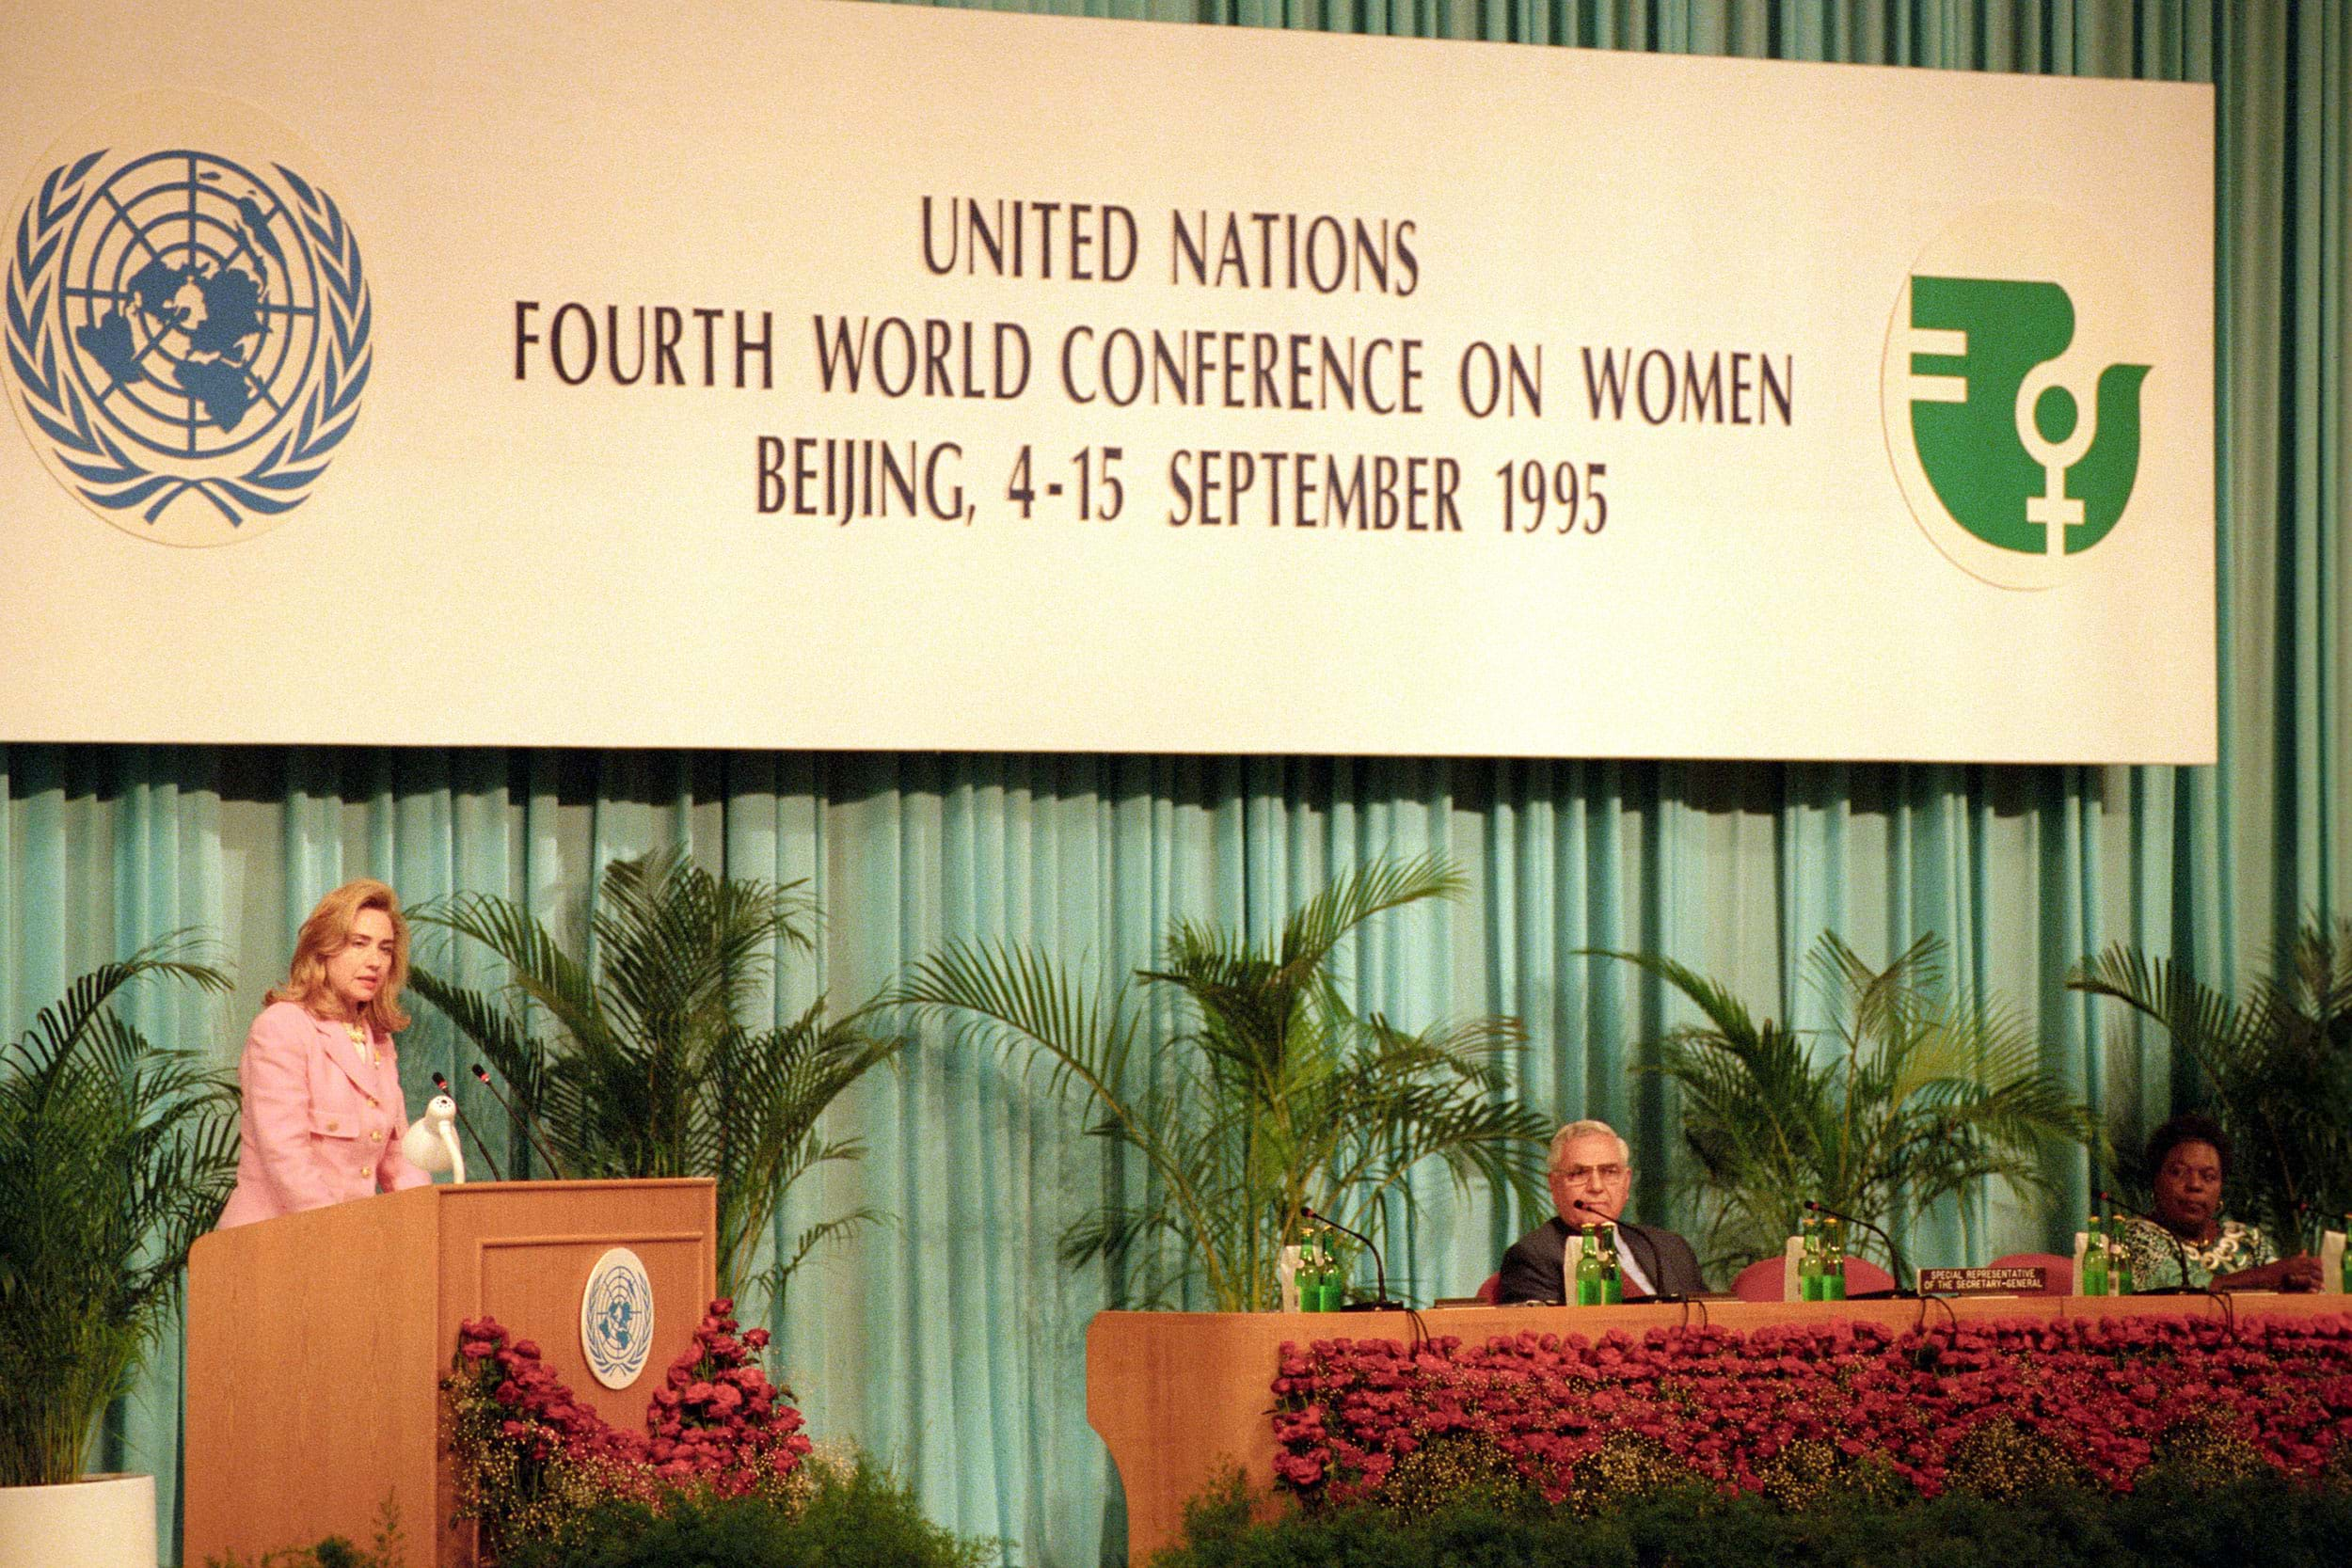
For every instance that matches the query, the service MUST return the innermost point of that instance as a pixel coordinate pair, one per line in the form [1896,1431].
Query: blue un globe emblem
[186,330]
[191,312]
[616,1318]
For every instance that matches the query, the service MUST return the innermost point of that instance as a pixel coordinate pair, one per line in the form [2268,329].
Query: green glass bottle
[1589,1288]
[1612,1272]
[2095,1279]
[1808,1260]
[1333,1290]
[1832,1261]
[2119,1280]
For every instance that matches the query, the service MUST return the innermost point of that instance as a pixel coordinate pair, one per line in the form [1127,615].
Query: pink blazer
[321,1125]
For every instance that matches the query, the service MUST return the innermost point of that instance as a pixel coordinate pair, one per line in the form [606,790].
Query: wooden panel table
[1179,1396]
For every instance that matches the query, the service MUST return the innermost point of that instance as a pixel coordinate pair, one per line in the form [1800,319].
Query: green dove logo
[2012,384]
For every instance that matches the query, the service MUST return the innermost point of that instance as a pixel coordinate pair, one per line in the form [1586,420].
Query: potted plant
[1249,1089]
[654,1066]
[115,1156]
[2276,1065]
[1919,1090]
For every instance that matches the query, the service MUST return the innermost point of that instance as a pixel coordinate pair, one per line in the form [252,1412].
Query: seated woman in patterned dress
[2190,1156]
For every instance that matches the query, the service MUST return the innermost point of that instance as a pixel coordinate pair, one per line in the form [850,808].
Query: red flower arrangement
[2100,1398]
[529,1454]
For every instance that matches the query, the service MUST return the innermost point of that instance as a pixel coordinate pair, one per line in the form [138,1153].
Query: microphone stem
[1894,1253]
[465,1125]
[529,1132]
[487,1157]
[1379,1268]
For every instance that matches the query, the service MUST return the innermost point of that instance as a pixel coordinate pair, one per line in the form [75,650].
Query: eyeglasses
[1577,1175]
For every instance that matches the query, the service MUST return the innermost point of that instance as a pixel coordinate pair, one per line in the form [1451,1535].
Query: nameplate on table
[1984,1282]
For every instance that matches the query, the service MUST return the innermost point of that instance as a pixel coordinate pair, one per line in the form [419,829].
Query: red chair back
[1758,1281]
[1864,1277]
[2058,1281]
[1491,1289]
[1762,1279]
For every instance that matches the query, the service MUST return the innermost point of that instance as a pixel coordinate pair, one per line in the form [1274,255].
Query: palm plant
[1926,1092]
[652,1068]
[115,1156]
[2277,1065]
[1259,1092]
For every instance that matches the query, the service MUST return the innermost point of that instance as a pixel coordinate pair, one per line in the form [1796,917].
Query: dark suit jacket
[1530,1270]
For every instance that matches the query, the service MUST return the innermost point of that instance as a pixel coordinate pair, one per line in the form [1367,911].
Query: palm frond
[653,1068]
[1023,1001]
[115,1155]
[1930,1092]
[1725,1012]
[1246,1087]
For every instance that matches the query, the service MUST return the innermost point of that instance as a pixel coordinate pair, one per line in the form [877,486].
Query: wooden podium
[316,1345]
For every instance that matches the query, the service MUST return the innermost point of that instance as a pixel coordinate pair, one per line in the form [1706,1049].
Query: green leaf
[1928,1092]
[643,1053]
[1246,1085]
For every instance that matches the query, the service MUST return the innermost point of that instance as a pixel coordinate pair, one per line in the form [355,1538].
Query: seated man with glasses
[1592,1175]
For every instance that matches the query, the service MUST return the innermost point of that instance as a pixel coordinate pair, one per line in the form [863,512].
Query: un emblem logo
[187,335]
[616,1319]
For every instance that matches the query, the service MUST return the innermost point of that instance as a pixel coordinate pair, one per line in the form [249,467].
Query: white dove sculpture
[431,1142]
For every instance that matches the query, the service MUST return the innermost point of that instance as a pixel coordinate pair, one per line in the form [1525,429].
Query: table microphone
[441,1085]
[530,1130]
[1893,1252]
[1380,1291]
[2179,1252]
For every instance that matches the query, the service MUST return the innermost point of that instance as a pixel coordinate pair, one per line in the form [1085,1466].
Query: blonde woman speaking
[323,1107]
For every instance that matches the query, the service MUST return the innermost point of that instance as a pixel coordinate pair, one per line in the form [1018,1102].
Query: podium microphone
[529,1131]
[1893,1252]
[2180,1253]
[1380,1272]
[440,1086]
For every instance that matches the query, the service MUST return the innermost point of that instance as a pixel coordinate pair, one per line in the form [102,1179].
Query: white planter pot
[97,1522]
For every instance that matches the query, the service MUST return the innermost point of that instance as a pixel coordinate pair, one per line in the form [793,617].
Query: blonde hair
[327,933]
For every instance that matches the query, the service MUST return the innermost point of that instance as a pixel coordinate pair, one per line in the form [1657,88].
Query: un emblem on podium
[616,1318]
[188,322]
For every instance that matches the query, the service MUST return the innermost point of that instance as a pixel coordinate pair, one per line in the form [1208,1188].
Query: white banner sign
[816,375]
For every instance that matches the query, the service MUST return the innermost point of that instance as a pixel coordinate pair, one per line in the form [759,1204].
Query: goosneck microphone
[441,1085]
[530,1129]
[1379,1270]
[1893,1252]
[2180,1253]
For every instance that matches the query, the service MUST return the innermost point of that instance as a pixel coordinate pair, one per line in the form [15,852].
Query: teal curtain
[952,1340]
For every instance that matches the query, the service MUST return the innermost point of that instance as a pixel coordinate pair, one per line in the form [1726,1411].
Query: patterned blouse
[2155,1263]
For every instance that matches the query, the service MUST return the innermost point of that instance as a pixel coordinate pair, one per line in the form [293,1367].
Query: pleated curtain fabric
[952,1340]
